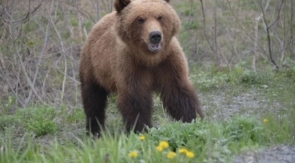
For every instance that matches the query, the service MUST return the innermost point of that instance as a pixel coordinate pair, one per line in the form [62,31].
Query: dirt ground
[250,102]
[277,154]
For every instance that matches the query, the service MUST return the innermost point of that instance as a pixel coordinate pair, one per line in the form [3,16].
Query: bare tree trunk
[283,43]
[215,36]
[2,63]
[257,19]
[292,49]
[97,9]
[80,33]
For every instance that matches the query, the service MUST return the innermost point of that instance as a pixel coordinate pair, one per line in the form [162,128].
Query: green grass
[46,134]
[207,140]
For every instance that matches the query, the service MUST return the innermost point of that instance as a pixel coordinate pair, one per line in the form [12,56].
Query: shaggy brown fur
[133,52]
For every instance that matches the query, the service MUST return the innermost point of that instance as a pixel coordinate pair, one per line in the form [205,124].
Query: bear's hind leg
[94,99]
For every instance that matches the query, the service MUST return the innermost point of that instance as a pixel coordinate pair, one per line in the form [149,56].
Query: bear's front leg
[134,99]
[135,108]
[181,101]
[177,93]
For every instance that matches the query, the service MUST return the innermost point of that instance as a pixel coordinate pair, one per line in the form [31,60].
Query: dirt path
[278,154]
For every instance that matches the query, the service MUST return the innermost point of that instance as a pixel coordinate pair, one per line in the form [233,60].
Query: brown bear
[133,51]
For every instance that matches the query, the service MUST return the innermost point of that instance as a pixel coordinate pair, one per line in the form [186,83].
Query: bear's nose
[155,37]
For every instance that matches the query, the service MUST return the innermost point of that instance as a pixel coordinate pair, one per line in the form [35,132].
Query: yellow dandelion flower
[164,144]
[133,154]
[265,120]
[141,137]
[189,154]
[239,70]
[171,155]
[159,148]
[182,150]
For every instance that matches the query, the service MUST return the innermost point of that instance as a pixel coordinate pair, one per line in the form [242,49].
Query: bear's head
[148,25]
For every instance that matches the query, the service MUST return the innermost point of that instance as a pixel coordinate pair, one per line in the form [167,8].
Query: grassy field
[45,134]
[248,105]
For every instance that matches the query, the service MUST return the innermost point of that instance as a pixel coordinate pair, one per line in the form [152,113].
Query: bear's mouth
[154,47]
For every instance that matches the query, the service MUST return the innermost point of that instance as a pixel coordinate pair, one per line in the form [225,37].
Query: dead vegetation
[40,42]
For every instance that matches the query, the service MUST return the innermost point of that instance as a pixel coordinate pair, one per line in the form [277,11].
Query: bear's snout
[155,40]
[155,37]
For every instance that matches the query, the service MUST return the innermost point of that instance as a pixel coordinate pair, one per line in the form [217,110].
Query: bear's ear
[167,1]
[120,4]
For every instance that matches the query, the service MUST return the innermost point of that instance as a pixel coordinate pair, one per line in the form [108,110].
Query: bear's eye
[140,20]
[160,18]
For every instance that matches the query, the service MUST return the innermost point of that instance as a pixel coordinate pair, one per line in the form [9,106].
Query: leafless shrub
[40,46]
[235,30]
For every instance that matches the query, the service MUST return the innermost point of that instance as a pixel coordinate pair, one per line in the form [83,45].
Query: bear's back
[101,38]
[102,28]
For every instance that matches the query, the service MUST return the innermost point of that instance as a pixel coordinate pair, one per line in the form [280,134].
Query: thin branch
[27,76]
[204,26]
[268,33]
[11,88]
[244,30]
[40,58]
[97,10]
[26,17]
[292,49]
[64,79]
